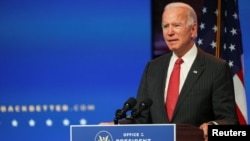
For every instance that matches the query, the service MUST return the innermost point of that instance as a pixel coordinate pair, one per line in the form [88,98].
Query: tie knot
[179,61]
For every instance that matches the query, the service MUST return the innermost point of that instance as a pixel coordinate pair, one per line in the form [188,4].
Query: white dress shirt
[188,59]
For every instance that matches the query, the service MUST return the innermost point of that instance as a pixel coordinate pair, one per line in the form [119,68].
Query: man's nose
[170,31]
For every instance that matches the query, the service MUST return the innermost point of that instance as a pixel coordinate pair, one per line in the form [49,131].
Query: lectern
[136,132]
[186,132]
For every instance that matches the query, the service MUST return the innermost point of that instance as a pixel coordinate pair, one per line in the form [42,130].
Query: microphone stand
[118,115]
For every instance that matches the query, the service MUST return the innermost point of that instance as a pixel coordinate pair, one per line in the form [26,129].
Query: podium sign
[133,132]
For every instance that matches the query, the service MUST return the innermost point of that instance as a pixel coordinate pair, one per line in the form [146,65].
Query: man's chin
[173,48]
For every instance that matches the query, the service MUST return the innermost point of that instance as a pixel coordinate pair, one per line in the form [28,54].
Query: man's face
[177,32]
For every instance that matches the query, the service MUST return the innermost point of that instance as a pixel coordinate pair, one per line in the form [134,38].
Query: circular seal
[103,136]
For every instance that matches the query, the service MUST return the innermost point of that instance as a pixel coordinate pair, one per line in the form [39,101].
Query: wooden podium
[188,133]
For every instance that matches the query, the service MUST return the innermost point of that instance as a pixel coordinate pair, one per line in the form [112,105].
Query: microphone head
[130,103]
[146,103]
[121,113]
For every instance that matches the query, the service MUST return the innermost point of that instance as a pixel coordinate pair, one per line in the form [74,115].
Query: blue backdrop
[73,62]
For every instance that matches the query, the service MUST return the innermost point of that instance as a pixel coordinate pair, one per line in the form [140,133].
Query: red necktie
[173,88]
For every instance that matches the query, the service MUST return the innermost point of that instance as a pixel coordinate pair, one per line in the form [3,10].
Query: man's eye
[165,26]
[177,25]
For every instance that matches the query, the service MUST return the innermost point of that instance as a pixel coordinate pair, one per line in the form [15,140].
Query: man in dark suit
[206,92]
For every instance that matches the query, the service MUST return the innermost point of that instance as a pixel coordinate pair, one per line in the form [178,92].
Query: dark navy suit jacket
[207,93]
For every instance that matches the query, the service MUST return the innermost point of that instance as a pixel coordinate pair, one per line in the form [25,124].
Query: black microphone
[145,104]
[121,113]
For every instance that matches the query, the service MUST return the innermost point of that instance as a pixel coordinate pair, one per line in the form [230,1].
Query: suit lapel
[162,75]
[195,71]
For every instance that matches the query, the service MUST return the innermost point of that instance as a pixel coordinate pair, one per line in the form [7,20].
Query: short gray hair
[192,17]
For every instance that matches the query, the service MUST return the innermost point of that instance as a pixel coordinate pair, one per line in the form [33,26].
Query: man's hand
[204,127]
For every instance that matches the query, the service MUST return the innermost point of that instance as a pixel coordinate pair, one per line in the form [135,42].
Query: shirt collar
[189,57]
